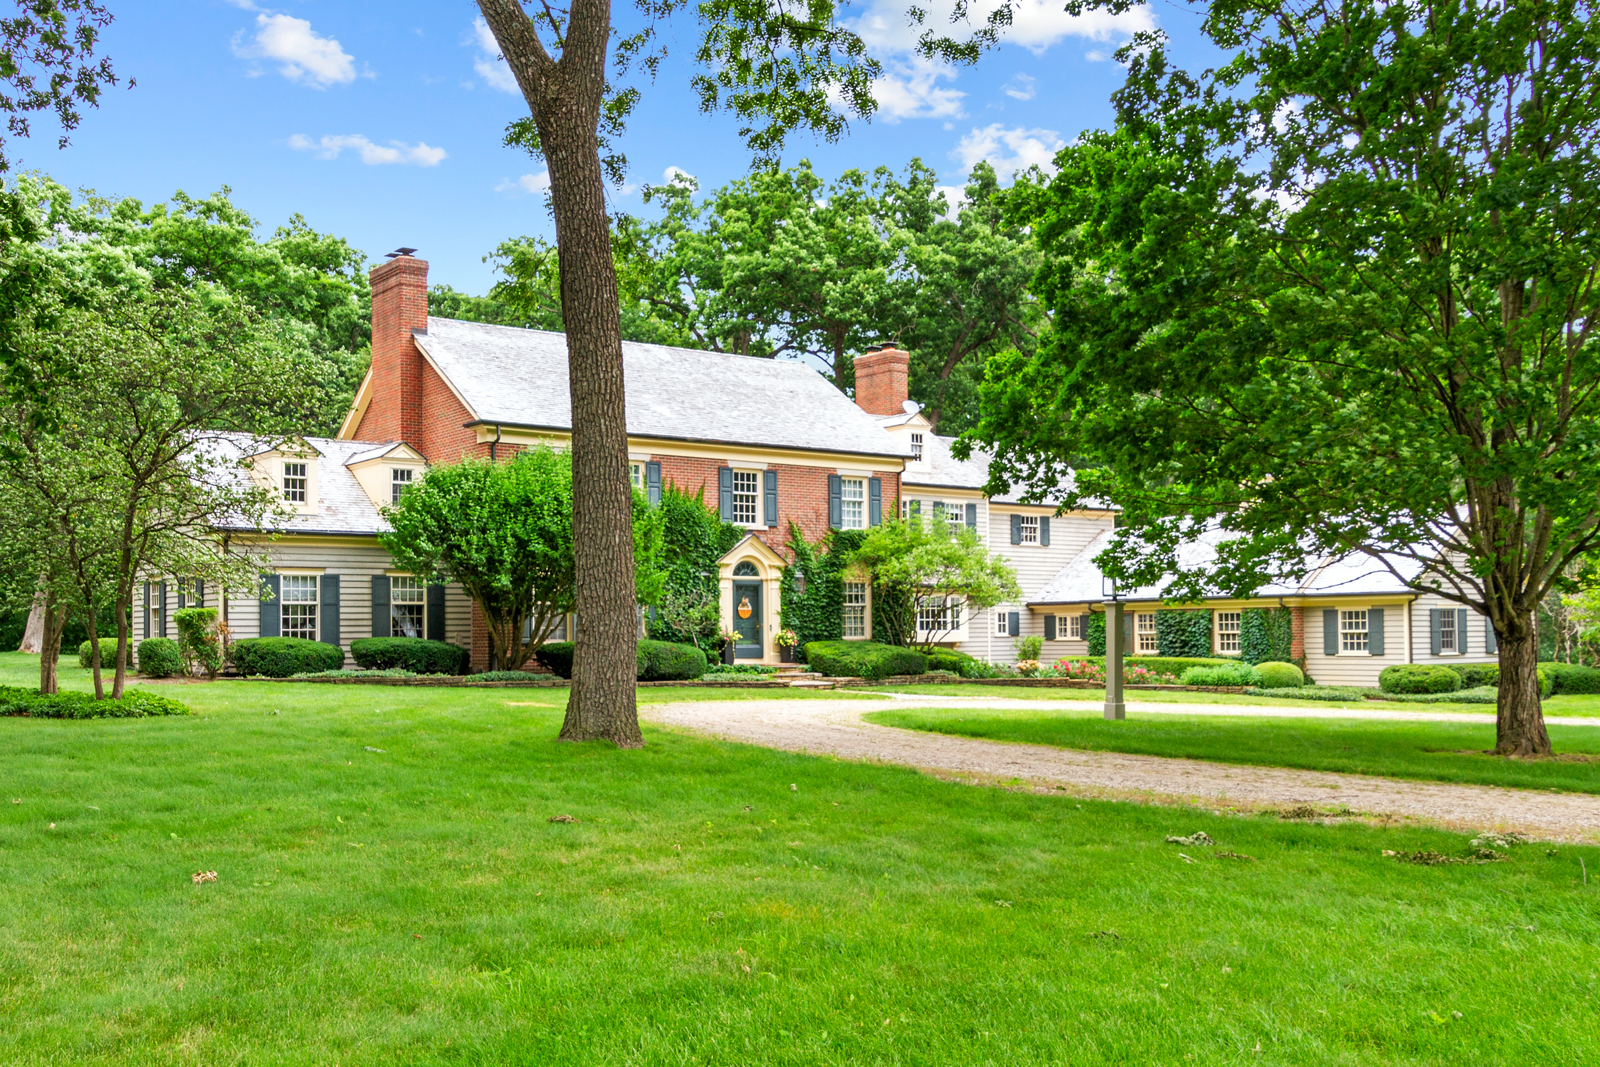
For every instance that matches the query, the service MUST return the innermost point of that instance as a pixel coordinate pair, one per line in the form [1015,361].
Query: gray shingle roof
[519,378]
[940,469]
[343,507]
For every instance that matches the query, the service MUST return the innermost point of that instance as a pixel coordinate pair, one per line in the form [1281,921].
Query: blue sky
[382,122]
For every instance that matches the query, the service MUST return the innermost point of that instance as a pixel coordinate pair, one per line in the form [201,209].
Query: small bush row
[410,654]
[1261,676]
[656,661]
[739,668]
[135,704]
[863,659]
[284,657]
[1314,692]
[510,676]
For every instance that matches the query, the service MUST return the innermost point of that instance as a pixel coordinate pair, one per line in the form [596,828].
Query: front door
[747,620]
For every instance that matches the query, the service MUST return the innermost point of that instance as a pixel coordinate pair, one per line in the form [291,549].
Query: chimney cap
[397,253]
[872,348]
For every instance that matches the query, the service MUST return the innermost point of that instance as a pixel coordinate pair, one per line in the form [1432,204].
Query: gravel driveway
[834,727]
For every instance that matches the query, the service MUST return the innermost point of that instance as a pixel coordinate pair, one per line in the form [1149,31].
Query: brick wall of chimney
[399,305]
[883,380]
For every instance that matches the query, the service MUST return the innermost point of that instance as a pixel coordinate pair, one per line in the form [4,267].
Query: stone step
[810,683]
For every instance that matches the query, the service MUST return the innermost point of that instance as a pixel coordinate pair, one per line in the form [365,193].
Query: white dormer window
[294,481]
[916,447]
[399,482]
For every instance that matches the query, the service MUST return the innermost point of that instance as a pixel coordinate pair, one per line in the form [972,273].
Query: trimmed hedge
[1570,678]
[948,659]
[135,704]
[1418,678]
[1279,676]
[108,654]
[1173,665]
[1232,674]
[656,661]
[1483,694]
[159,657]
[409,654]
[284,657]
[1314,692]
[1474,675]
[510,676]
[863,659]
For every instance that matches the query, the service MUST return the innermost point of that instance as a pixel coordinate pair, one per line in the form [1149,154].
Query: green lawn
[391,891]
[1586,706]
[1441,751]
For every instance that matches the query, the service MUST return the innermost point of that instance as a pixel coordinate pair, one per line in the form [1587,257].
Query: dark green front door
[747,620]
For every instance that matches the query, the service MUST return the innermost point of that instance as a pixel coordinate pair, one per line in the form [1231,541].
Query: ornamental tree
[928,572]
[1336,296]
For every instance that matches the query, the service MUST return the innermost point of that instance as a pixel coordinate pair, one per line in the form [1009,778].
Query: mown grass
[390,890]
[1585,706]
[1436,751]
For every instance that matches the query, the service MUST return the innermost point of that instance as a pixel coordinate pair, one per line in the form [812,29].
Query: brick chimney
[399,305]
[883,377]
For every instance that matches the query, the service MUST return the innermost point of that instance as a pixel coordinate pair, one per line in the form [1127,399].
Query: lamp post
[1116,710]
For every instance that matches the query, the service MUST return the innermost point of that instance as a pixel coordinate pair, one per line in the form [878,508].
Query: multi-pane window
[294,482]
[1228,631]
[636,475]
[855,609]
[1069,627]
[1144,632]
[954,514]
[408,604]
[853,497]
[916,446]
[1447,632]
[938,614]
[745,493]
[1030,529]
[297,594]
[1002,627]
[399,482]
[1352,631]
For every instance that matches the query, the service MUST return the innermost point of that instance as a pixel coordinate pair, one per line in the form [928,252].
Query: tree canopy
[929,577]
[1337,297]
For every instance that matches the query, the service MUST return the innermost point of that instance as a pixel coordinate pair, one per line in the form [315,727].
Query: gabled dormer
[386,471]
[913,432]
[290,473]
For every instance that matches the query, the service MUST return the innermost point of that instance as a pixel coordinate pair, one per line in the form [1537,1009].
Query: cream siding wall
[1354,669]
[1476,650]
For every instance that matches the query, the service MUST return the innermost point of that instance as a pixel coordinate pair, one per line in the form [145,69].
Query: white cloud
[677,175]
[1035,24]
[911,91]
[246,5]
[1008,149]
[534,184]
[489,64]
[304,57]
[329,147]
[1021,87]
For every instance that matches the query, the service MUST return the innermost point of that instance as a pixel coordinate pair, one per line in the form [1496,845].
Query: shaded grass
[1436,751]
[414,905]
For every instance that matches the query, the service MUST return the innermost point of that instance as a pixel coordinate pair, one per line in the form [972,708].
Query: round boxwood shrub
[1474,675]
[1231,674]
[1274,675]
[1571,678]
[556,657]
[409,654]
[948,659]
[669,661]
[282,657]
[159,657]
[1418,678]
[108,654]
[863,659]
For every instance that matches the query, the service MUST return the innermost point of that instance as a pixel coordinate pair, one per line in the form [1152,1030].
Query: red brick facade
[399,305]
[883,380]
[1297,635]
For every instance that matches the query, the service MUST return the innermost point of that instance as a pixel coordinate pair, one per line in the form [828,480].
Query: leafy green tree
[926,568]
[694,539]
[48,62]
[1337,297]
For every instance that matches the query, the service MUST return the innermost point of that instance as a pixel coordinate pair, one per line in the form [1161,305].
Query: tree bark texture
[564,97]
[55,621]
[1519,720]
[33,635]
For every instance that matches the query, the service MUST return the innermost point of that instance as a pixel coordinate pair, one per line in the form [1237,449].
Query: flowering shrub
[1137,675]
[1027,667]
[786,638]
[1080,670]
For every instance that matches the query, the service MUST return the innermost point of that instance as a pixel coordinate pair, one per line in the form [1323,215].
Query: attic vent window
[916,446]
[294,482]
[399,482]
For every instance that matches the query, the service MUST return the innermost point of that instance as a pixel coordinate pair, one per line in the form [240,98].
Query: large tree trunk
[94,653]
[120,678]
[33,635]
[564,97]
[1519,720]
[55,621]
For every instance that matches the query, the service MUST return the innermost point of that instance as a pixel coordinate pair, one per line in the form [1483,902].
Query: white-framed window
[297,595]
[955,516]
[939,614]
[295,480]
[853,501]
[1030,529]
[1002,626]
[1146,642]
[1448,638]
[1353,631]
[746,496]
[855,609]
[399,482]
[1228,631]
[916,446]
[636,475]
[1069,627]
[408,606]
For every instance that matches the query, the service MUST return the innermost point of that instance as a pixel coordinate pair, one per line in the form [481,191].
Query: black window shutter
[1375,631]
[199,593]
[271,613]
[1083,627]
[435,620]
[1044,530]
[1330,632]
[161,616]
[725,492]
[1491,643]
[328,625]
[972,517]
[1016,529]
[1127,633]
[1049,627]
[652,481]
[382,626]
[769,490]
[835,501]
[874,501]
[1014,623]
[1433,630]
[146,631]
[1461,631]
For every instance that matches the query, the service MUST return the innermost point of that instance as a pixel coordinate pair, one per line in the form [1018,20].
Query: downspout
[493,443]
[1411,650]
[225,540]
